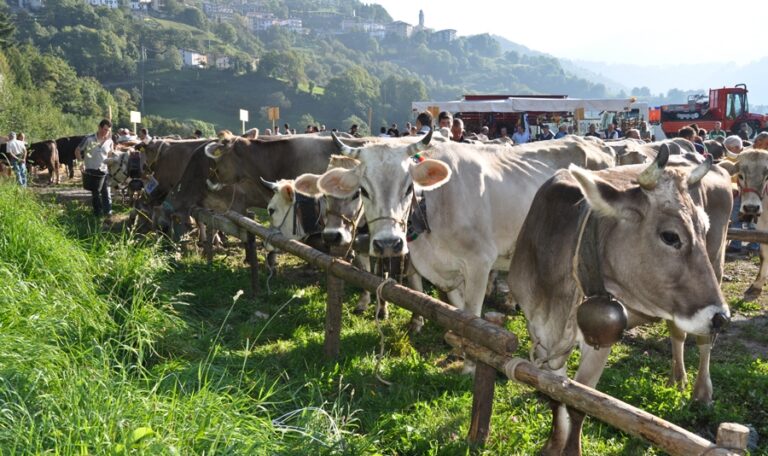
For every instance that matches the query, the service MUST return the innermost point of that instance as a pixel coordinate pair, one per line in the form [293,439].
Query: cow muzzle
[335,237]
[388,247]
[719,321]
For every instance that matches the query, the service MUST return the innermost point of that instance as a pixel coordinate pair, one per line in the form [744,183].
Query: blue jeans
[736,223]
[102,199]
[21,172]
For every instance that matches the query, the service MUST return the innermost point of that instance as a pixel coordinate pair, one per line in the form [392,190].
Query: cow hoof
[359,310]
[414,327]
[752,293]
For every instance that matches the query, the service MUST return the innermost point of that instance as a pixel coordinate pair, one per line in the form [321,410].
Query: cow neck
[589,274]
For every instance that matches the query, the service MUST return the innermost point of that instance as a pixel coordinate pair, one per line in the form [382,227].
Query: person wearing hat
[17,156]
[545,134]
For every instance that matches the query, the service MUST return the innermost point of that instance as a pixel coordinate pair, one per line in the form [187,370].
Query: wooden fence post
[482,394]
[333,309]
[733,436]
[251,256]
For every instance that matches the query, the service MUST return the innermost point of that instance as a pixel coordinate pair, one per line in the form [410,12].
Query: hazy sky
[649,32]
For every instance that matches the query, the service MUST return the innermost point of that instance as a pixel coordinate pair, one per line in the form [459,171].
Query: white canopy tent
[513,104]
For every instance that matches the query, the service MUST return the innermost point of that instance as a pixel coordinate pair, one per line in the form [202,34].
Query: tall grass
[80,369]
[111,346]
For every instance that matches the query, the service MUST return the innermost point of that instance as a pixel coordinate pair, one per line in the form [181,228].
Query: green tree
[353,92]
[7,29]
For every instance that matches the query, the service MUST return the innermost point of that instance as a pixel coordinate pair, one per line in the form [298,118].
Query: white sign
[244,115]
[135,117]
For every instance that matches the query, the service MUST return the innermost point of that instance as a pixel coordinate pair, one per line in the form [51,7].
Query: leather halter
[760,193]
[586,260]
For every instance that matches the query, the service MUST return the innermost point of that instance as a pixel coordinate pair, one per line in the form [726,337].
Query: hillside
[358,70]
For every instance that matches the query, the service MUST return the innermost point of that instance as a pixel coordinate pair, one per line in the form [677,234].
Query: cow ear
[306,184]
[286,191]
[430,174]
[339,183]
[601,196]
[729,166]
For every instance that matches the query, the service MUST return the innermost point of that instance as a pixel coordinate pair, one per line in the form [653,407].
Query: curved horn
[214,187]
[650,177]
[270,185]
[343,148]
[417,147]
[700,171]
[212,150]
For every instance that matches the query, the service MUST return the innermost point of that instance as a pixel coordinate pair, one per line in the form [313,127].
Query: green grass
[116,344]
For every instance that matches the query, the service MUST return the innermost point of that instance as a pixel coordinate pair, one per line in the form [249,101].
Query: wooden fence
[482,340]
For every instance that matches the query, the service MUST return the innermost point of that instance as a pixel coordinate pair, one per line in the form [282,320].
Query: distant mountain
[662,78]
[507,46]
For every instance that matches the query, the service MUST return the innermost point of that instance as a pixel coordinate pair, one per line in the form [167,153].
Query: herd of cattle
[651,219]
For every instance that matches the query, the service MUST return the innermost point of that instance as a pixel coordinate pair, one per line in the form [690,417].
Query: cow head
[386,177]
[281,208]
[751,169]
[342,215]
[652,240]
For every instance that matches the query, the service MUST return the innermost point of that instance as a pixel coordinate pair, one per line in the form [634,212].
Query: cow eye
[271,211]
[364,192]
[409,190]
[671,238]
[740,176]
[356,195]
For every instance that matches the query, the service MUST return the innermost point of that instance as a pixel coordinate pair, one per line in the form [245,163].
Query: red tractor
[727,105]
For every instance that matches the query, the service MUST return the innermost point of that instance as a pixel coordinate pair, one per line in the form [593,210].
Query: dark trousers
[102,199]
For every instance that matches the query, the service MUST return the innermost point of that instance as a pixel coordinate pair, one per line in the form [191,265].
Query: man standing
[96,148]
[17,155]
[717,131]
[545,134]
[521,136]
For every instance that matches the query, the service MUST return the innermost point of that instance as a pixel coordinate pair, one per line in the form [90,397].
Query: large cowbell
[602,320]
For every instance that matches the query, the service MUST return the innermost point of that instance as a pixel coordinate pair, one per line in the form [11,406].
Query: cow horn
[270,185]
[213,151]
[700,171]
[343,148]
[417,147]
[214,187]
[650,177]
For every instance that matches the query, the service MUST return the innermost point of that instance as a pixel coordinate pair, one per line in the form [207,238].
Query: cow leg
[702,388]
[589,372]
[71,170]
[753,292]
[677,337]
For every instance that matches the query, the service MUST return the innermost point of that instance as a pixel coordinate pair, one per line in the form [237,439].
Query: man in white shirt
[93,150]
[17,156]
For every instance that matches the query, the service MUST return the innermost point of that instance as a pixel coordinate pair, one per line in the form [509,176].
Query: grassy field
[119,344]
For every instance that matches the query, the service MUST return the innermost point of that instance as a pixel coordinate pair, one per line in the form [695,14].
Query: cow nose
[331,237]
[751,209]
[719,321]
[388,246]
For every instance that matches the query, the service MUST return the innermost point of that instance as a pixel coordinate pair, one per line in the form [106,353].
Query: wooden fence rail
[487,343]
[738,234]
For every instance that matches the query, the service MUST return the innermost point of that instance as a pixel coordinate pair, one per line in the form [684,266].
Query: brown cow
[45,154]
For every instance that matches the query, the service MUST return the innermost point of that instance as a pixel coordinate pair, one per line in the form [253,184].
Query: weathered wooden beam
[482,393]
[738,234]
[443,314]
[332,342]
[669,437]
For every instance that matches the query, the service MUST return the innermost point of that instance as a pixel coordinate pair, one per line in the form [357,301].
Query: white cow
[476,199]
